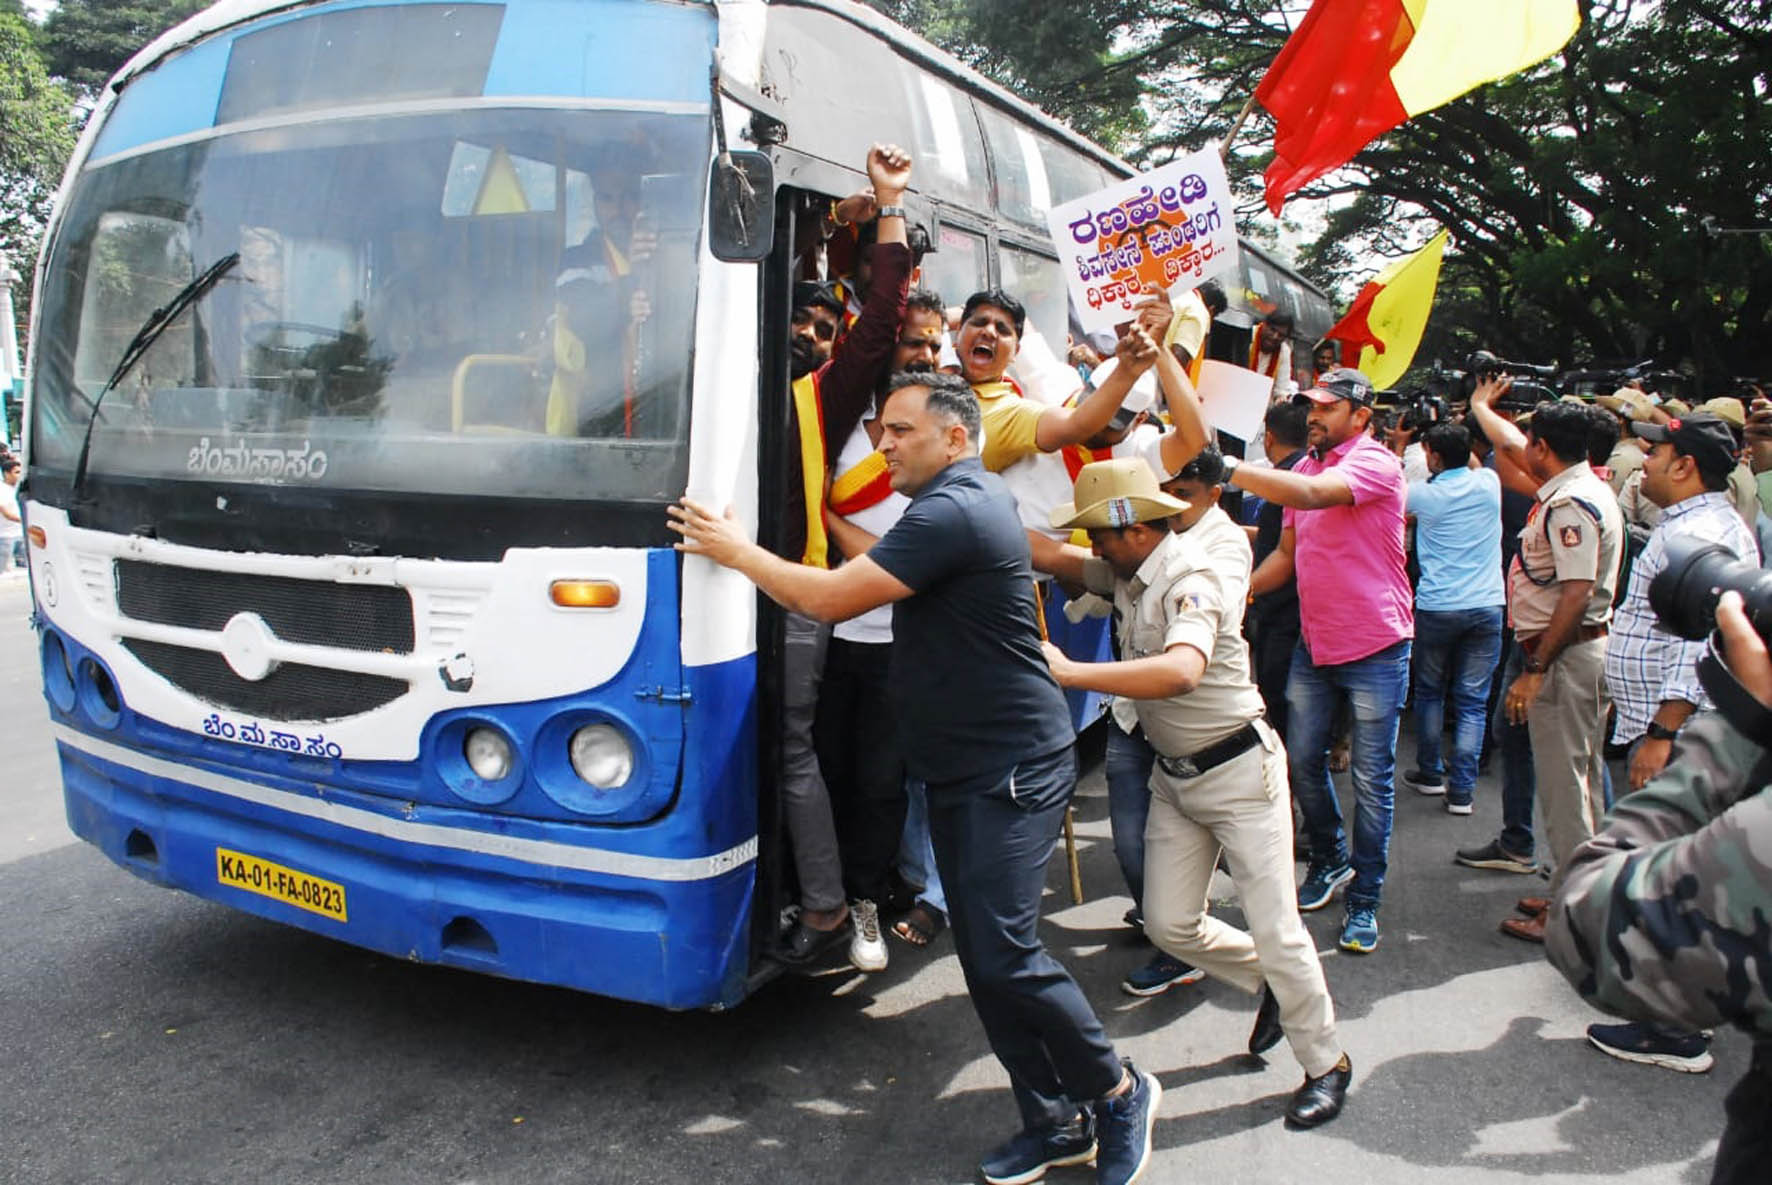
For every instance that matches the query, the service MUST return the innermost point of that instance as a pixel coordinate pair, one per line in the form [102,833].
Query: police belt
[1212,756]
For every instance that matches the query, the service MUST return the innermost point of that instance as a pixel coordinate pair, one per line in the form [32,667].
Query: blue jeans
[1462,644]
[1519,783]
[916,854]
[1128,768]
[1375,687]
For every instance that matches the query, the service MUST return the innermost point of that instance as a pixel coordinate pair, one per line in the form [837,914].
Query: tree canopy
[36,135]
[87,41]
[1611,204]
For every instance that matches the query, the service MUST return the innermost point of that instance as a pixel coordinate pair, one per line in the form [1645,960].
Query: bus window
[950,152]
[138,262]
[1038,283]
[1023,193]
[956,269]
[1072,175]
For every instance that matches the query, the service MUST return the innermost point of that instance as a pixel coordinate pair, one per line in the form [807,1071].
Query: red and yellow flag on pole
[1385,323]
[1355,69]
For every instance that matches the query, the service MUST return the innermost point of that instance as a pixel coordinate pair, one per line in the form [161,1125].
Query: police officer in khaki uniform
[1220,777]
[1560,599]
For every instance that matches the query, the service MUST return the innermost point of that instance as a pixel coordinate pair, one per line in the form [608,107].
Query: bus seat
[518,378]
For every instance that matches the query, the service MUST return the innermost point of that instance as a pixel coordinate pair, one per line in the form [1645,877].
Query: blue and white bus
[357,607]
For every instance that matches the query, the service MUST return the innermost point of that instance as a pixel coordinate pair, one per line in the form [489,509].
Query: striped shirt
[1645,664]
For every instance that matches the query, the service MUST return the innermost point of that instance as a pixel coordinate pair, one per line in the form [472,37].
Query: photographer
[1662,915]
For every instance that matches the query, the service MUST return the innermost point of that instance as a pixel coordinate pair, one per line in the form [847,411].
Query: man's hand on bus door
[720,538]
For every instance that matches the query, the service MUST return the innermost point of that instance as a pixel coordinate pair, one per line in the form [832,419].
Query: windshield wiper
[158,322]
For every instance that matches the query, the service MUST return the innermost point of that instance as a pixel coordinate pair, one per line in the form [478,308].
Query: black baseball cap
[1705,438]
[1344,382]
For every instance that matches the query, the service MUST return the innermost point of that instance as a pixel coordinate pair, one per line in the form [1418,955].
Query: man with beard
[830,398]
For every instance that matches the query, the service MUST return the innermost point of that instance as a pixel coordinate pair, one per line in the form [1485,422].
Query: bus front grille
[373,617]
[291,692]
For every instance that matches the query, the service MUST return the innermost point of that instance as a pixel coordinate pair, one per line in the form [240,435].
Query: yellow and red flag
[1385,323]
[1355,69]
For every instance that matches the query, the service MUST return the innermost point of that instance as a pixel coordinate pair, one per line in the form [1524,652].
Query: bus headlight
[488,754]
[601,756]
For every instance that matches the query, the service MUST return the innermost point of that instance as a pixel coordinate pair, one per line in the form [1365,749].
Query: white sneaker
[867,949]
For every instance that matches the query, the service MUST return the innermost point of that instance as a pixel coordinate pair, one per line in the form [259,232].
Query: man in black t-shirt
[985,726]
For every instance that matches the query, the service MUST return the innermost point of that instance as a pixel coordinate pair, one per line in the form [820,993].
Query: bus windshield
[483,301]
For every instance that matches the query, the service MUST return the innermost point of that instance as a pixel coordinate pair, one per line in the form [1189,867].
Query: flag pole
[1224,149]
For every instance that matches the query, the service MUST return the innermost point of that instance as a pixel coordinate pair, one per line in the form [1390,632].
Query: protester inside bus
[859,750]
[827,403]
[991,325]
[984,724]
[1270,352]
[1215,785]
[1560,593]
[1323,359]
[817,322]
[1342,535]
[1459,603]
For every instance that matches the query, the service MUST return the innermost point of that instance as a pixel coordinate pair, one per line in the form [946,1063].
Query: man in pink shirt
[1342,536]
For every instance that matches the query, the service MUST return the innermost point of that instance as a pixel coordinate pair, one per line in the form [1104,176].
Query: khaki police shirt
[1561,541]
[1178,597]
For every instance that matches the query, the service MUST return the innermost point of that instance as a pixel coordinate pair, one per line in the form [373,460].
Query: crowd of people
[954,481]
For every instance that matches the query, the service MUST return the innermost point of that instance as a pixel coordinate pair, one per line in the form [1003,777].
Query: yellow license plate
[241,871]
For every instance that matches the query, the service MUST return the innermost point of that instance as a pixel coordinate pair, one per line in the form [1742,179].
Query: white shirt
[10,530]
[874,626]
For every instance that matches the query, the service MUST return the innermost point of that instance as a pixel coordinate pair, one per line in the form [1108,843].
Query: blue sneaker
[1320,883]
[1123,1126]
[1653,1045]
[1028,1155]
[1359,932]
[1159,975]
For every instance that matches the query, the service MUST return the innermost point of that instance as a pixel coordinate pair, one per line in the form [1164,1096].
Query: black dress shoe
[804,944]
[1319,1100]
[1267,1031]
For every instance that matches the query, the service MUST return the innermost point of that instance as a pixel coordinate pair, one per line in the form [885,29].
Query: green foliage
[1578,193]
[36,136]
[86,41]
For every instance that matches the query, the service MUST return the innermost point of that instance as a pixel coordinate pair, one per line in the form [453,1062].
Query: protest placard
[1172,227]
[1233,399]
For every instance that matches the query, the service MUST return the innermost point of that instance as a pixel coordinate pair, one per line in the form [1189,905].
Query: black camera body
[1684,595]
[1421,410]
[1533,383]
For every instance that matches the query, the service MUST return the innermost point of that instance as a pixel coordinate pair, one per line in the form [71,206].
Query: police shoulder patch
[1187,602]
[1571,535]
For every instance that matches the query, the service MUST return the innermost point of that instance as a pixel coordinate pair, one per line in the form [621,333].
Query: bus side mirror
[741,213]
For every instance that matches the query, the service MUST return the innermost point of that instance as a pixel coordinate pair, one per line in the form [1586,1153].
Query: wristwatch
[1661,732]
[1230,465]
[891,212]
[1534,665]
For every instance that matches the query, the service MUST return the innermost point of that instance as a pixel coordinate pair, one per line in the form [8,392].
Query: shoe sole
[1150,1125]
[1459,808]
[1497,865]
[1329,894]
[1038,1171]
[1194,976]
[1425,788]
[1356,948]
[1667,1061]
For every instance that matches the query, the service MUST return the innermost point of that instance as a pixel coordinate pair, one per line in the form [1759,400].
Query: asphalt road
[152,1037]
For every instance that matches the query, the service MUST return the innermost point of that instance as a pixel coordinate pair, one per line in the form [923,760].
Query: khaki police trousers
[1568,726]
[1242,808]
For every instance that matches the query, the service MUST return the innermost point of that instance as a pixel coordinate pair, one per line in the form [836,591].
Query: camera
[1684,595]
[1421,409]
[1532,382]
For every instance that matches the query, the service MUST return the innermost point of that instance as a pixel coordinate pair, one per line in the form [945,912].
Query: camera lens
[1684,593]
